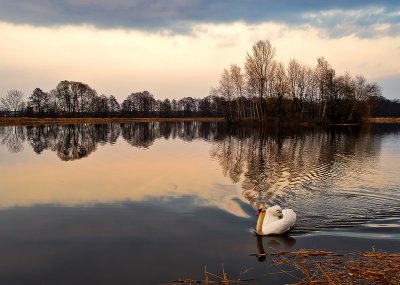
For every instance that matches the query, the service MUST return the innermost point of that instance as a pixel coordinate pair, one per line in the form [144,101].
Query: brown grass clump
[325,267]
[210,279]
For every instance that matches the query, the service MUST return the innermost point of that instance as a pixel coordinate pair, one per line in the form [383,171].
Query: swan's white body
[274,220]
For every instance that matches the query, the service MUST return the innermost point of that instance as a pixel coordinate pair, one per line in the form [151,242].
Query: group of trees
[382,107]
[143,104]
[71,99]
[68,99]
[267,89]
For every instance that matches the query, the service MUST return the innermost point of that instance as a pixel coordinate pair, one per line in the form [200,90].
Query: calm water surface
[149,203]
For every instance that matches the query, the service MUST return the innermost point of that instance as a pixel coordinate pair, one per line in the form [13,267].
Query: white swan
[274,220]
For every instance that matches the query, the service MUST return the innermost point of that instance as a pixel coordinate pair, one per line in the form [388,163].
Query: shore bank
[21,121]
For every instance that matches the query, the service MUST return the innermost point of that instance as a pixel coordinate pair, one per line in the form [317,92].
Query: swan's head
[261,208]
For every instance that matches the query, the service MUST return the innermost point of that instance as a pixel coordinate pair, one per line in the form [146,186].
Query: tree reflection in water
[13,137]
[312,170]
[42,137]
[77,141]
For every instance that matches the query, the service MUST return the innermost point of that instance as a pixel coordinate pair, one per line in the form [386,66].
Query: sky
[179,48]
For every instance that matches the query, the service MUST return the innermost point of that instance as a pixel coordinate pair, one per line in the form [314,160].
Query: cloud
[179,16]
[374,21]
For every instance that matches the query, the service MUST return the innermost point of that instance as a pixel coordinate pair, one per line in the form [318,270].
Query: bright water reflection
[147,203]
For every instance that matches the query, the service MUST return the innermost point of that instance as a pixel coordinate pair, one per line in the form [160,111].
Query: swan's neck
[260,222]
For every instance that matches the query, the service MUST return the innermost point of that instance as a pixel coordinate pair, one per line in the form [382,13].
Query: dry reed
[325,267]
[210,279]
[320,267]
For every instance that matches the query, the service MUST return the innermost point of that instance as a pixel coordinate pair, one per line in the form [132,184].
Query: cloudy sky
[178,48]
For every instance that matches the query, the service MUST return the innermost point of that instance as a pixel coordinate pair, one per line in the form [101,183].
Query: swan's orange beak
[258,212]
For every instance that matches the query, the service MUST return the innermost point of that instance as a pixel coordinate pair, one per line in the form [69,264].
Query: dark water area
[147,203]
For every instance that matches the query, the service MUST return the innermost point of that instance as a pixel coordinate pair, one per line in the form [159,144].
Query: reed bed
[326,267]
[320,267]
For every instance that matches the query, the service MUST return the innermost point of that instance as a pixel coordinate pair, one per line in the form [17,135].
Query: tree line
[264,90]
[77,99]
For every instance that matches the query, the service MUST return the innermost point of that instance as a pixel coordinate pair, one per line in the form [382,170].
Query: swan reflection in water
[273,244]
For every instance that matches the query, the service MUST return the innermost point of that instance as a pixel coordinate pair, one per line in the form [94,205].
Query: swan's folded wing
[275,208]
[289,217]
[282,225]
[275,211]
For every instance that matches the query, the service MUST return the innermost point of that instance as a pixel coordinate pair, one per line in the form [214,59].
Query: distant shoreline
[383,120]
[21,121]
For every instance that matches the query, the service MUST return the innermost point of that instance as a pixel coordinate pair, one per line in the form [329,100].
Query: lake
[147,203]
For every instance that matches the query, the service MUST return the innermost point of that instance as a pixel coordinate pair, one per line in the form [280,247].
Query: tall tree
[113,105]
[226,89]
[39,101]
[325,76]
[363,92]
[165,108]
[280,87]
[258,68]
[238,83]
[102,107]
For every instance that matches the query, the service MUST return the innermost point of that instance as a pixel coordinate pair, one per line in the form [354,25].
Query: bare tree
[310,93]
[258,68]
[363,91]
[325,78]
[280,87]
[13,102]
[113,105]
[226,90]
[102,106]
[294,72]
[165,108]
[238,83]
